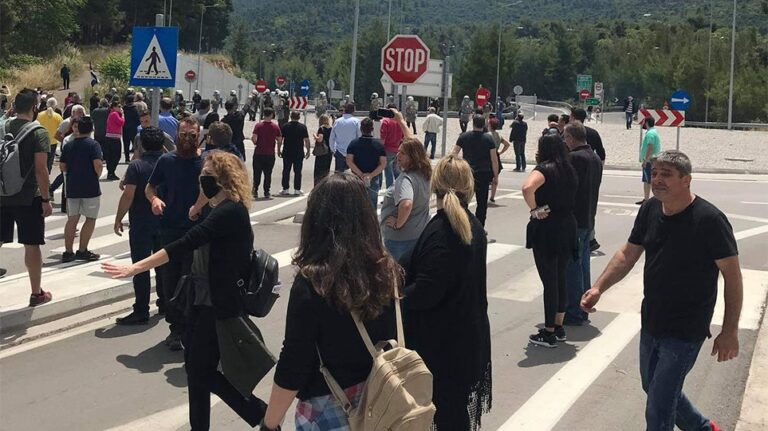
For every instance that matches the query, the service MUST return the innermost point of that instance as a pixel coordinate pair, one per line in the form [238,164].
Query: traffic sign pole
[446,63]
[159,22]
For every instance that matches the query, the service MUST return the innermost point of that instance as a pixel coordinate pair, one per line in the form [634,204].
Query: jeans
[519,148]
[57,182]
[296,165]
[398,248]
[551,268]
[482,182]
[430,138]
[322,167]
[144,240]
[391,171]
[171,273]
[65,80]
[629,119]
[201,359]
[373,191]
[463,125]
[578,280]
[664,363]
[51,156]
[412,124]
[111,150]
[341,162]
[128,136]
[262,164]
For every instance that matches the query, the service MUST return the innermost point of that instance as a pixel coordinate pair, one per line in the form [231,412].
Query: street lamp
[498,51]
[709,64]
[200,44]
[354,54]
[733,60]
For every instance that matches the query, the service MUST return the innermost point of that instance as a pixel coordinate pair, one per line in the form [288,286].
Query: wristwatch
[45,201]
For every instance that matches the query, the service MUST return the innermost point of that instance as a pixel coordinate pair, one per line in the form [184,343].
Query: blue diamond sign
[153,56]
[680,100]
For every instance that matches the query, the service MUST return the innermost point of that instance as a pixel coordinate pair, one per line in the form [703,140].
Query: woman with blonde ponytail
[445,304]
[50,120]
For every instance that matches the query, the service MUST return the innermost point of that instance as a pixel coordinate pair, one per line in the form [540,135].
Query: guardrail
[739,126]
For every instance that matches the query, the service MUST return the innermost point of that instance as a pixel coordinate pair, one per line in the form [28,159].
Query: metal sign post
[446,63]
[155,110]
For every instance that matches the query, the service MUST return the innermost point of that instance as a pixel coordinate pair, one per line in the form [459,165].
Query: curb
[754,404]
[16,322]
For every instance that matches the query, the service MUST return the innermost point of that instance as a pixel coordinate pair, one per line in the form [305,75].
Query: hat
[197,91]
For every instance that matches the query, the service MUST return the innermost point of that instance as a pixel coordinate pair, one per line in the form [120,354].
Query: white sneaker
[284,192]
[298,192]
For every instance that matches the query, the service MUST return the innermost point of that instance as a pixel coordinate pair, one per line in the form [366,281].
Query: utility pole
[445,47]
[354,54]
[709,64]
[155,110]
[733,61]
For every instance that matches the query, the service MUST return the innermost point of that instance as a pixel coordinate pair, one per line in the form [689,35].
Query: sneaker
[493,200]
[284,192]
[267,195]
[86,255]
[255,195]
[544,338]
[113,177]
[133,319]
[67,256]
[640,202]
[714,426]
[39,299]
[560,334]
[298,192]
[594,245]
[3,271]
[175,345]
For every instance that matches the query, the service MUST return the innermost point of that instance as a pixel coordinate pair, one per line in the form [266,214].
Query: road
[101,376]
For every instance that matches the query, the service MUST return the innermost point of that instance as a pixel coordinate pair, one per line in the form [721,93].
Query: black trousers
[145,240]
[240,147]
[463,125]
[551,268]
[413,125]
[111,150]
[66,82]
[171,272]
[519,148]
[128,136]
[201,359]
[322,166]
[296,164]
[482,182]
[262,165]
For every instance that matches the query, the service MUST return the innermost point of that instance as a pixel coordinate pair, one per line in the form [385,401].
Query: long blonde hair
[453,183]
[231,176]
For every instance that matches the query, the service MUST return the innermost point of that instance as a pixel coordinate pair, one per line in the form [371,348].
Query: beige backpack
[398,391]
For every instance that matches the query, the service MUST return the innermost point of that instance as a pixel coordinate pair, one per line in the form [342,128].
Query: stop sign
[404,59]
[280,80]
[481,96]
[190,76]
[583,94]
[261,85]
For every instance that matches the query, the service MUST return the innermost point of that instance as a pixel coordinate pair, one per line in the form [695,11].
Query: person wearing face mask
[178,206]
[221,245]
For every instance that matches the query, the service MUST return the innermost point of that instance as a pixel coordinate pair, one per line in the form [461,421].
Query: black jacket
[519,131]
[227,229]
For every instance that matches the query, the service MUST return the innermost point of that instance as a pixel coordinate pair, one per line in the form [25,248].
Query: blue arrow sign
[680,100]
[153,56]
[304,88]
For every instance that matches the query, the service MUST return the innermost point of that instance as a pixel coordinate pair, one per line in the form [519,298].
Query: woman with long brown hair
[405,210]
[445,305]
[343,269]
[222,245]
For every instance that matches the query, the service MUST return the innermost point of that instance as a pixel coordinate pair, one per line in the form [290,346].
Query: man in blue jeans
[687,241]
[345,130]
[144,234]
[367,159]
[589,171]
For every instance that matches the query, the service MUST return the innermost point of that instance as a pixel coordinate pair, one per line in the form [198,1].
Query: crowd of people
[187,193]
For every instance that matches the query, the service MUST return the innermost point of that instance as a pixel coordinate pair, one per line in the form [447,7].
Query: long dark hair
[553,154]
[341,251]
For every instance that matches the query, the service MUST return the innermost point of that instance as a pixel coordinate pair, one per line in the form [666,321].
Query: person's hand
[47,209]
[121,184]
[391,222]
[194,213]
[118,271]
[726,346]
[158,206]
[590,299]
[398,115]
[118,228]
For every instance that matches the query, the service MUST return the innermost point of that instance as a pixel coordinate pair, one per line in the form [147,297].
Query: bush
[115,70]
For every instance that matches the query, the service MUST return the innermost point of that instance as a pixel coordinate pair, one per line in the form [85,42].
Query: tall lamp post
[709,64]
[354,54]
[498,50]
[733,61]
[200,44]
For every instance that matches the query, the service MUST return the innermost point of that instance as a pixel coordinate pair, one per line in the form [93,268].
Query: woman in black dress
[550,193]
[445,306]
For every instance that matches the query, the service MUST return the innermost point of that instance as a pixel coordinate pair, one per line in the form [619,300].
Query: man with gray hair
[688,242]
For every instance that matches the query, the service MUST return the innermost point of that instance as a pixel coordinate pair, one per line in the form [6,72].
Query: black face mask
[210,188]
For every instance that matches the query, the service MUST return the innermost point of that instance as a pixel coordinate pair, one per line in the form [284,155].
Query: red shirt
[391,134]
[267,133]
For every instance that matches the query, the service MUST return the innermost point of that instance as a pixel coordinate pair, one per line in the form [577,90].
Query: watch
[45,201]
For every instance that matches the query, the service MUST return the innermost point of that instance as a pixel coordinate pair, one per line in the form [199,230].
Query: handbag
[262,288]
[321,149]
[183,296]
[244,357]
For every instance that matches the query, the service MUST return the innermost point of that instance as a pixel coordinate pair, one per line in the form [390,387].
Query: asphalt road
[104,377]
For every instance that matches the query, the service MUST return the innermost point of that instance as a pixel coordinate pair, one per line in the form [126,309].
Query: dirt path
[78,84]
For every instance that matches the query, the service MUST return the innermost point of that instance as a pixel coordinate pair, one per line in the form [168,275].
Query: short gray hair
[677,159]
[51,103]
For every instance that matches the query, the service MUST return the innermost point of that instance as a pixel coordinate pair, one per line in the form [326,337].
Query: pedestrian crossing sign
[153,56]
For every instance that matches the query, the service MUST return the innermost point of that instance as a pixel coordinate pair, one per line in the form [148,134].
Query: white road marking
[570,382]
[172,418]
[754,203]
[623,196]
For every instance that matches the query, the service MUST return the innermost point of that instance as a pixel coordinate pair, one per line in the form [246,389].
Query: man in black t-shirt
[479,150]
[687,241]
[293,147]
[596,143]
[367,159]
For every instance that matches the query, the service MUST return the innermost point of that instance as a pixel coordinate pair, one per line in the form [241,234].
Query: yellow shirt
[51,123]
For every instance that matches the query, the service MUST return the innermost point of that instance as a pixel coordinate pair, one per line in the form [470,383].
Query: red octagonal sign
[404,59]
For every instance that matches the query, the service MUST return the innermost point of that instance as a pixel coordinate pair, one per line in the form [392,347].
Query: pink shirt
[115,122]
[391,134]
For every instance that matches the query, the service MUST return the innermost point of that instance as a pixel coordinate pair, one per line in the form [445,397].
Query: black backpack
[262,288]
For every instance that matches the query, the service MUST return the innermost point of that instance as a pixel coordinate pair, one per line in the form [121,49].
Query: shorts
[29,222]
[647,172]
[88,207]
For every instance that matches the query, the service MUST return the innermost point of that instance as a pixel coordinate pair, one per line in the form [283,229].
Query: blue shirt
[137,174]
[168,124]
[176,179]
[345,129]
[82,181]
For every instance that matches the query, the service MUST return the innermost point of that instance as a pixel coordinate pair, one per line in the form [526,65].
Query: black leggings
[322,166]
[551,268]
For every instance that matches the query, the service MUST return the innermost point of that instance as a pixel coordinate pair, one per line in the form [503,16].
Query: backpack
[398,391]
[11,178]
[262,288]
